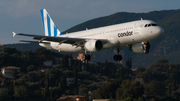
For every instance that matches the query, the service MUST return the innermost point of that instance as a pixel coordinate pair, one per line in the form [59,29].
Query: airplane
[135,35]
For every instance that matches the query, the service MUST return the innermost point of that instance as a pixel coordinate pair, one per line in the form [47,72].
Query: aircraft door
[137,27]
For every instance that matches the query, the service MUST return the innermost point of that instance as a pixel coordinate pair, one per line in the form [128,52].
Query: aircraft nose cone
[160,31]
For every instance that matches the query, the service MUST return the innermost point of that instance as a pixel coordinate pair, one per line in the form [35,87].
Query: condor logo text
[128,33]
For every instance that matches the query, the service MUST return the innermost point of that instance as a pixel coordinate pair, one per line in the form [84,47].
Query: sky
[23,16]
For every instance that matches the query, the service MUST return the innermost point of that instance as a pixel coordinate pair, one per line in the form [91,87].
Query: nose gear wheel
[86,57]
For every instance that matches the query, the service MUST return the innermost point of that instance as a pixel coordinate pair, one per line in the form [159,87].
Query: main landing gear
[86,57]
[146,47]
[117,57]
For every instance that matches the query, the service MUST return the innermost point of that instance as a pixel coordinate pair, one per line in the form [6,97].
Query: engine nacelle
[138,48]
[141,47]
[93,45]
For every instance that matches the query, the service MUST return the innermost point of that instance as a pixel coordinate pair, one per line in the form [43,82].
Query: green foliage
[20,92]
[75,78]
[155,87]
[3,94]
[83,90]
[65,61]
[111,80]
[129,63]
[34,85]
[63,84]
[31,68]
[108,89]
[140,70]
[95,95]
[15,74]
[47,83]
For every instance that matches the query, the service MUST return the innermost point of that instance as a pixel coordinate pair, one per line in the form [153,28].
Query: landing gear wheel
[88,57]
[117,57]
[84,57]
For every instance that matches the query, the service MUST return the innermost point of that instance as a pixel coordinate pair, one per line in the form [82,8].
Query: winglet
[14,34]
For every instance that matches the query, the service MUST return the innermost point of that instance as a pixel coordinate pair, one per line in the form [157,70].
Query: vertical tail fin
[50,28]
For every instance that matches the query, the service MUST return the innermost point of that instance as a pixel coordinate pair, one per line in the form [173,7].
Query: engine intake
[93,45]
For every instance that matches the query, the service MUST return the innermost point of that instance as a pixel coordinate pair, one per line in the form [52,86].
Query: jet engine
[93,45]
[141,47]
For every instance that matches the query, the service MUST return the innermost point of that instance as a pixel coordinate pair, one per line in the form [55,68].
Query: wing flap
[33,41]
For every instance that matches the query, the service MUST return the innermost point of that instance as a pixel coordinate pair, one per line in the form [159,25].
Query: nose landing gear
[117,57]
[86,57]
[146,47]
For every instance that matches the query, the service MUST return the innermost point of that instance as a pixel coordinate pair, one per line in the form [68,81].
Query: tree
[15,74]
[1,74]
[108,89]
[83,90]
[121,72]
[58,66]
[20,92]
[75,78]
[4,95]
[106,68]
[31,68]
[155,87]
[65,61]
[47,83]
[140,70]
[63,84]
[129,63]
[174,78]
[79,67]
[87,66]
[71,62]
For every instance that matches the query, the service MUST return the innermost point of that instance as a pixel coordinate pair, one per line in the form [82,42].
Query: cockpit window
[153,24]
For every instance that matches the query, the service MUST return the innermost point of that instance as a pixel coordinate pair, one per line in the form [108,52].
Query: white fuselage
[118,35]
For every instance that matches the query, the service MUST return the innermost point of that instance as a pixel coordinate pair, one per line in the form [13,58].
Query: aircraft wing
[68,40]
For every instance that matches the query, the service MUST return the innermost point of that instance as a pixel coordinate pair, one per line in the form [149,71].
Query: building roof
[11,67]
[2,79]
[70,96]
[1,45]
[48,61]
[101,100]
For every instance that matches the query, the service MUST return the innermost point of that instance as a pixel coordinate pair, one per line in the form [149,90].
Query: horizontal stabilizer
[14,34]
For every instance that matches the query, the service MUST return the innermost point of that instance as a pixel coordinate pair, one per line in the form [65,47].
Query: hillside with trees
[106,80]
